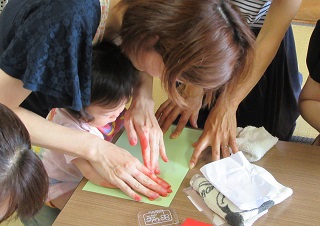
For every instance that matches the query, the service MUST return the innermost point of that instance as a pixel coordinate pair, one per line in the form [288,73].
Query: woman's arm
[90,173]
[169,111]
[220,128]
[278,19]
[141,123]
[309,103]
[114,164]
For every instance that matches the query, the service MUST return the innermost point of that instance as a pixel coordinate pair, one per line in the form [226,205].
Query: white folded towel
[222,206]
[254,142]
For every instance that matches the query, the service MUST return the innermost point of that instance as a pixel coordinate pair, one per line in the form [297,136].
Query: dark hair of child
[23,178]
[113,79]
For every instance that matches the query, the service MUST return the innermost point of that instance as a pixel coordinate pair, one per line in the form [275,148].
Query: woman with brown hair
[23,178]
[267,96]
[46,54]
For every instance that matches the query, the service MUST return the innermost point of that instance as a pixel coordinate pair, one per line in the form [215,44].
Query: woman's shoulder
[47,9]
[81,9]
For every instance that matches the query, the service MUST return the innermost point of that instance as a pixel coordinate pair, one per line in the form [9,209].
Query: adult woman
[271,103]
[309,99]
[46,56]
[23,178]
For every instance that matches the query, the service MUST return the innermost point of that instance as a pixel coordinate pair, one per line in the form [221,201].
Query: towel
[222,206]
[254,142]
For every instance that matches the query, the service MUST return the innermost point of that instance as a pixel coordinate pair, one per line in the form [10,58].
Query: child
[113,80]
[23,179]
[309,100]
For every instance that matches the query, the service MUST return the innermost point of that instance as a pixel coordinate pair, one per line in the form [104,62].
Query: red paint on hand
[137,198]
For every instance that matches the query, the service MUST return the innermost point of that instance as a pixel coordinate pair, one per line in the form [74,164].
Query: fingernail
[133,142]
[169,190]
[173,136]
[153,197]
[191,165]
[137,198]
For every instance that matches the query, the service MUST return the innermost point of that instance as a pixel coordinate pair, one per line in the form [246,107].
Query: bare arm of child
[88,172]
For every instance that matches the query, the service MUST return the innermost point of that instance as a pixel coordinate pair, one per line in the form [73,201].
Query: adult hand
[140,122]
[169,111]
[89,172]
[126,172]
[219,132]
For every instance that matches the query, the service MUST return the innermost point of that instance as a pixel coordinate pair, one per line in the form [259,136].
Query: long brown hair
[203,42]
[23,177]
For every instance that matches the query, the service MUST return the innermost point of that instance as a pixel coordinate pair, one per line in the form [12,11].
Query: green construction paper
[178,150]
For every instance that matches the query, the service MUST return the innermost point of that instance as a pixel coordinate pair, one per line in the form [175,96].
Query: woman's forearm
[145,89]
[278,19]
[42,132]
[59,138]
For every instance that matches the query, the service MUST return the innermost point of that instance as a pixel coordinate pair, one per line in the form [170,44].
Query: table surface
[294,165]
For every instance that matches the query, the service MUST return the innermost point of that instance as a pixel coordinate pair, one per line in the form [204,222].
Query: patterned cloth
[254,11]
[104,4]
[55,60]
[2,4]
[222,206]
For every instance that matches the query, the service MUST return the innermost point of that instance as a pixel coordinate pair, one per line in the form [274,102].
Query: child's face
[103,115]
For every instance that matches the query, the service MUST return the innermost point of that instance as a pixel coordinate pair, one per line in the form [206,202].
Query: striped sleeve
[254,11]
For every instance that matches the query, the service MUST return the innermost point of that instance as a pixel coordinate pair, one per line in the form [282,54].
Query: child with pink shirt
[113,80]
